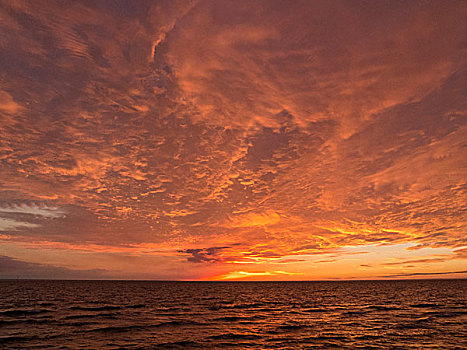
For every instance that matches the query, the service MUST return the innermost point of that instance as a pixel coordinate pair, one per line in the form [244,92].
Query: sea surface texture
[428,314]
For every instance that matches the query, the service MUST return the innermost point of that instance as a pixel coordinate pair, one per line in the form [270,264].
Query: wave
[16,338]
[118,329]
[367,337]
[45,303]
[382,308]
[424,305]
[355,312]
[22,312]
[25,320]
[231,318]
[282,340]
[327,337]
[235,336]
[96,308]
[74,317]
[315,309]
[234,307]
[80,324]
[186,344]
[178,323]
[291,327]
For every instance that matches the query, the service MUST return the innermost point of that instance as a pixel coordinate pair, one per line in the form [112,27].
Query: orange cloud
[255,219]
[230,135]
[8,105]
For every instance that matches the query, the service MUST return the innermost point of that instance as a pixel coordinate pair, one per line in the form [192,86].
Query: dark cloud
[204,255]
[11,268]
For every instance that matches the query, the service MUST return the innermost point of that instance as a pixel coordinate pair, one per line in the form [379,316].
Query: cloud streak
[421,274]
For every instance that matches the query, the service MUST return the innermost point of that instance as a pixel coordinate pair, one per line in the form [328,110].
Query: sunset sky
[225,140]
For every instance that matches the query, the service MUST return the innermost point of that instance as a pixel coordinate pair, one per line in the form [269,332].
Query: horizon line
[234,281]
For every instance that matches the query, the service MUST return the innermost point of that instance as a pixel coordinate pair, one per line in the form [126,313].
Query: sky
[233,140]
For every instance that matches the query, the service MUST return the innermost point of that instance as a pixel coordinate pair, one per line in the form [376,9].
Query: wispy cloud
[7,224]
[34,209]
[412,274]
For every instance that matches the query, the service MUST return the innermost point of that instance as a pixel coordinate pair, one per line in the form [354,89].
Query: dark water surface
[284,315]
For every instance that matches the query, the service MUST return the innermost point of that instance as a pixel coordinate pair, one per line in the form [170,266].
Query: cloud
[426,274]
[291,64]
[255,219]
[289,261]
[457,254]
[33,209]
[15,217]
[12,225]
[265,130]
[11,268]
[203,255]
[8,105]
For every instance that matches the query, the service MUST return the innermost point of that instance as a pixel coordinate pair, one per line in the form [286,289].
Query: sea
[51,314]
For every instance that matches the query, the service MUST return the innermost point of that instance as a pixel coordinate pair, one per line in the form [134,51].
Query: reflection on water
[282,315]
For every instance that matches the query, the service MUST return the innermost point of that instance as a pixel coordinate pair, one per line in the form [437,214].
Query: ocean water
[428,314]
